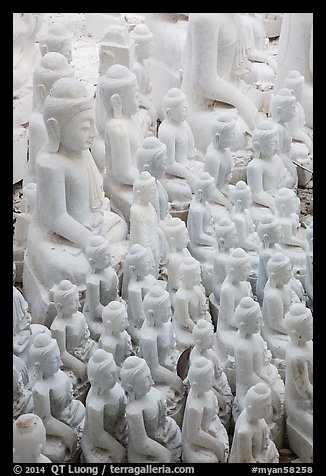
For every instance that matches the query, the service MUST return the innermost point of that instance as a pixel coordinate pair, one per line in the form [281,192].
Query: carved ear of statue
[221,242]
[146,168]
[44,49]
[168,113]
[116,104]
[132,272]
[41,94]
[199,193]
[53,129]
[150,314]
[217,139]
[138,196]
[238,204]
[278,112]
[256,148]
[272,279]
[172,244]
[266,240]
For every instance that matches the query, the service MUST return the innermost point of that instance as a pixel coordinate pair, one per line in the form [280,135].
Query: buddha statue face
[147,192]
[107,375]
[192,276]
[269,145]
[102,260]
[282,274]
[142,382]
[70,303]
[131,99]
[179,111]
[78,133]
[261,408]
[226,137]
[117,318]
[239,268]
[51,361]
[163,312]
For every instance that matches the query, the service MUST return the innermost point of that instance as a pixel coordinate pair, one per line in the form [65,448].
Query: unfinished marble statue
[122,134]
[143,219]
[302,145]
[143,38]
[251,441]
[138,283]
[278,297]
[52,67]
[101,284]
[218,158]
[29,437]
[204,438]
[56,38]
[214,66]
[153,436]
[253,365]
[190,303]
[105,431]
[22,392]
[174,131]
[234,287]
[70,329]
[282,110]
[295,52]
[203,335]
[226,239]
[70,207]
[157,347]
[53,402]
[299,381]
[309,262]
[114,337]
[202,242]
[266,173]
[176,234]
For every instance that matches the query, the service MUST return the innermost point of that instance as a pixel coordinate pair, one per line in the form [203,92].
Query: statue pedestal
[299,443]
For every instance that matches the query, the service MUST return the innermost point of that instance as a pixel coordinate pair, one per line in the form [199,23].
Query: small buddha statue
[266,173]
[203,335]
[29,437]
[71,332]
[57,39]
[190,303]
[105,431]
[70,207]
[253,365]
[114,337]
[143,218]
[299,381]
[204,438]
[176,234]
[153,437]
[22,392]
[143,38]
[202,242]
[101,284]
[309,263]
[53,401]
[157,347]
[278,297]
[234,287]
[122,134]
[219,160]
[53,66]
[251,441]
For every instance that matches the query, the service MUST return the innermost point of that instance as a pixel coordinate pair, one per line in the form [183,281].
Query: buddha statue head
[258,401]
[119,91]
[265,139]
[69,117]
[176,233]
[151,156]
[203,186]
[201,374]
[102,370]
[282,106]
[298,322]
[287,202]
[157,305]
[279,269]
[29,437]
[52,67]
[143,38]
[45,356]
[295,82]
[115,317]
[202,334]
[226,234]
[58,39]
[174,105]
[223,131]
[269,230]
[190,273]
[138,259]
[247,315]
[241,196]
[66,298]
[98,253]
[144,188]
[237,265]
[136,379]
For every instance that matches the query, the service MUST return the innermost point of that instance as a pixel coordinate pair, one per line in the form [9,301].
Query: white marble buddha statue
[251,441]
[202,242]
[137,257]
[308,285]
[157,347]
[177,236]
[101,284]
[278,297]
[70,204]
[218,159]
[214,65]
[174,131]
[53,401]
[143,219]
[22,392]
[29,437]
[105,431]
[70,329]
[143,38]
[226,239]
[53,66]
[266,173]
[153,437]
[114,337]
[234,287]
[56,38]
[203,335]
[299,381]
[253,365]
[119,92]
[204,438]
[190,303]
